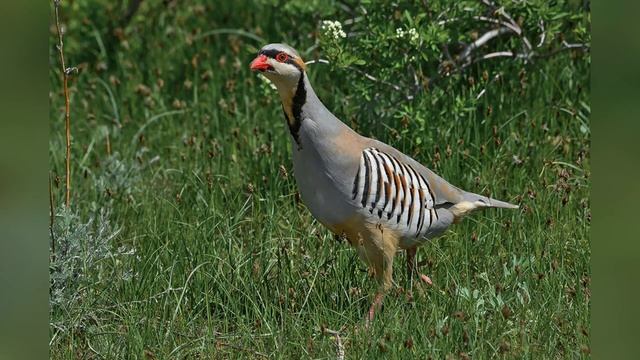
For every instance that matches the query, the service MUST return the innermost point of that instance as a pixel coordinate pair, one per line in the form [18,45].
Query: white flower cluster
[333,29]
[412,34]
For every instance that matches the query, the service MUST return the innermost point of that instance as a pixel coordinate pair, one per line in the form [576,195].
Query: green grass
[228,264]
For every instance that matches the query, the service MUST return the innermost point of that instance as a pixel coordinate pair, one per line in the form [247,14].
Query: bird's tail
[483,201]
[473,201]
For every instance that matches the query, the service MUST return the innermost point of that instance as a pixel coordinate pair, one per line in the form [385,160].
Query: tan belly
[358,231]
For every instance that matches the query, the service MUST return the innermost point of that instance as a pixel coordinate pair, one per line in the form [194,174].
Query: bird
[381,200]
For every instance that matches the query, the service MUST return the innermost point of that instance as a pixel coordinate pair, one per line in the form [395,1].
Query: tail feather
[473,202]
[483,201]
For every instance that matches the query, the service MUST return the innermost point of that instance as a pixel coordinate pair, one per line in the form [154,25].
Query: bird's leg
[381,254]
[378,250]
[375,305]
[412,269]
[411,263]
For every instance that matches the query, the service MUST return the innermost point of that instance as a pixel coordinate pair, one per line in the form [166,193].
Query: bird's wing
[443,191]
[441,194]
[391,188]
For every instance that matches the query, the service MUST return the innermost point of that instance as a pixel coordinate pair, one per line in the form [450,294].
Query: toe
[426,279]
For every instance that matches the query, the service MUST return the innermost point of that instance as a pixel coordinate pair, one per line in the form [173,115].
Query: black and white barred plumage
[394,192]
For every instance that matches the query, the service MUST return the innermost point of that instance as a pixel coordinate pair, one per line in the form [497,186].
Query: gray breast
[321,186]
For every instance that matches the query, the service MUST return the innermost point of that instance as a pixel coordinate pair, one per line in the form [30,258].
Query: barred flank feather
[394,192]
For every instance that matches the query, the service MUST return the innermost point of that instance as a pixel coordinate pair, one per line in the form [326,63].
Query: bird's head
[279,63]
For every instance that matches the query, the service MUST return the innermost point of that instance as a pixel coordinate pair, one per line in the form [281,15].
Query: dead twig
[65,72]
[339,345]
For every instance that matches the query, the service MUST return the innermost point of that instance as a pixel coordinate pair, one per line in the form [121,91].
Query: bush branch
[510,23]
[483,40]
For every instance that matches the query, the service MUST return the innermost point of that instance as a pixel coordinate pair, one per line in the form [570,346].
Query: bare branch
[494,55]
[506,15]
[513,25]
[543,33]
[483,40]
[516,29]
[67,108]
[566,46]
[500,10]
[573,46]
[416,81]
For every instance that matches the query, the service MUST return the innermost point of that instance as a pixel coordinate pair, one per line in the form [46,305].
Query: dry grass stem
[67,109]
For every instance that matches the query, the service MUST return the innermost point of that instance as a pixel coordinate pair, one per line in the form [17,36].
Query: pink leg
[377,302]
[411,267]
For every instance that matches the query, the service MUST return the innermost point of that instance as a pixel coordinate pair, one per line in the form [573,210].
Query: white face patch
[284,69]
[284,76]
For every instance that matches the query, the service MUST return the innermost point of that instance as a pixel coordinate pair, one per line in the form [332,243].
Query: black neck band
[299,99]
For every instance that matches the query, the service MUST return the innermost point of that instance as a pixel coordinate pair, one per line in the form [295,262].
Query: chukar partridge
[380,199]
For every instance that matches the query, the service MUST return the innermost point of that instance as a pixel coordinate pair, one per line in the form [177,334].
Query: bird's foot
[412,269]
[425,279]
[375,306]
[420,282]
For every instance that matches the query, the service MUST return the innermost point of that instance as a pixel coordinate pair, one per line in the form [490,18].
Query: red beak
[260,64]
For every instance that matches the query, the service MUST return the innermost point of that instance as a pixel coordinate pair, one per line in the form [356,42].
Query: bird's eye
[282,57]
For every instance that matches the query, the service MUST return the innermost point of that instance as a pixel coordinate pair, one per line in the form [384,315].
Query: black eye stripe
[272,53]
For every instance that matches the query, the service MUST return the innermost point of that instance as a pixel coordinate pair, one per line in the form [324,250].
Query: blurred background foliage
[439,76]
[185,235]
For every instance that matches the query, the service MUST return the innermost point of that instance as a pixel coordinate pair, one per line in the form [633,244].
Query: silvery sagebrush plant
[85,256]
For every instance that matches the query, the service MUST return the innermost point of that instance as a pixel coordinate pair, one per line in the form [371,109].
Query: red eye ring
[282,57]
